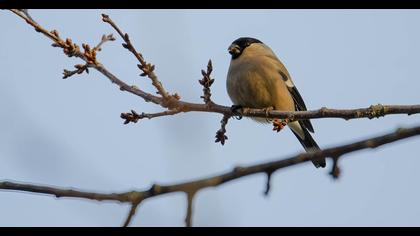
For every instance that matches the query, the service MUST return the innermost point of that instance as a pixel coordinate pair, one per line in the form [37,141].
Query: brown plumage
[257,79]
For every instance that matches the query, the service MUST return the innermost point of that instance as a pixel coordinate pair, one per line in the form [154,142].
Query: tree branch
[175,105]
[374,111]
[71,49]
[59,193]
[192,187]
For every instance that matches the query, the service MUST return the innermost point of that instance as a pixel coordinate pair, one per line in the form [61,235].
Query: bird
[256,78]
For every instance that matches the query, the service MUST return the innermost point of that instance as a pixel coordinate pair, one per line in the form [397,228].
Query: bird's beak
[234,49]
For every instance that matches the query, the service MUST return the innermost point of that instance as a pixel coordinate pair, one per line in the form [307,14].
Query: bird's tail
[310,145]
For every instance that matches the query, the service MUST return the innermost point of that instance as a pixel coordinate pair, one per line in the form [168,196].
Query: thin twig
[26,12]
[148,69]
[131,213]
[188,217]
[79,69]
[133,116]
[104,39]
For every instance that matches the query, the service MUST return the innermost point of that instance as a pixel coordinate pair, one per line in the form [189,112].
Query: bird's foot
[267,111]
[237,111]
[279,124]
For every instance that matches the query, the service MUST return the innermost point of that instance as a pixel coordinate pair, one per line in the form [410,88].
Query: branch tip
[268,182]
[335,169]
[221,133]
[188,217]
[206,82]
[132,116]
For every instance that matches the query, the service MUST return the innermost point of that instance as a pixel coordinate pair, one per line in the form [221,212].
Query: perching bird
[257,79]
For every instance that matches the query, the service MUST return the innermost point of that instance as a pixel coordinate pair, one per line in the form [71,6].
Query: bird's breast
[257,84]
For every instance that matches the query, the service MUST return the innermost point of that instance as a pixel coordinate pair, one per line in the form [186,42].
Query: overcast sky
[68,133]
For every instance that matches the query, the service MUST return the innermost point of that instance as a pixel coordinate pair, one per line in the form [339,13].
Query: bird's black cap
[238,46]
[244,42]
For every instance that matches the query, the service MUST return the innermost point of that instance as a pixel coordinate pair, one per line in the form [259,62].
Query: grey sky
[68,133]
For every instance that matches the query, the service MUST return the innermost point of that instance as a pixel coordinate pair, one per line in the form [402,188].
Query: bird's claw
[237,111]
[267,112]
[279,124]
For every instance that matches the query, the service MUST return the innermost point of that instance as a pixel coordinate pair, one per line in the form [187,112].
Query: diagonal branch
[147,68]
[190,188]
[71,49]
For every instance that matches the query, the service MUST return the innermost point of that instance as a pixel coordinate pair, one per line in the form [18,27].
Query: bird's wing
[299,103]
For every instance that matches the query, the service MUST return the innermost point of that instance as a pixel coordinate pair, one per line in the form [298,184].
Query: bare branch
[347,114]
[58,192]
[71,49]
[174,102]
[190,188]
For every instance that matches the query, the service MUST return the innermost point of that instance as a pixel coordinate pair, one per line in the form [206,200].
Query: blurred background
[68,133]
